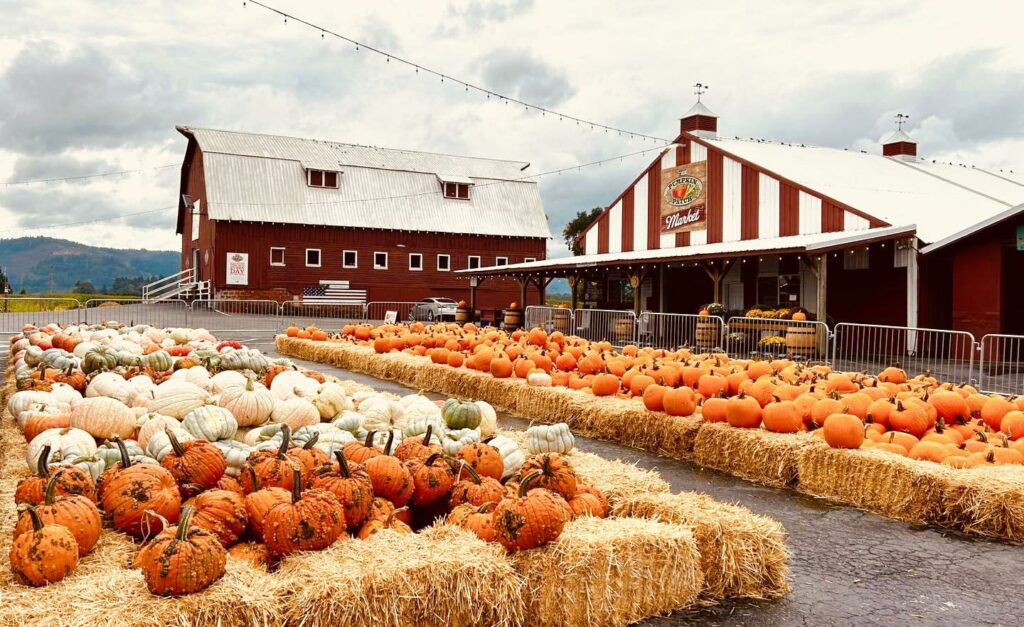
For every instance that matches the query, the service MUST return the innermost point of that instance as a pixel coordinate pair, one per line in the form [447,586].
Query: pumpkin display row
[918,417]
[198,453]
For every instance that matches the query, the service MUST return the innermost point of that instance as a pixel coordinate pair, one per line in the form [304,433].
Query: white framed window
[529,259]
[474,262]
[855,259]
[322,178]
[380,261]
[456,190]
[312,257]
[349,259]
[444,263]
[416,262]
[501,261]
[277,255]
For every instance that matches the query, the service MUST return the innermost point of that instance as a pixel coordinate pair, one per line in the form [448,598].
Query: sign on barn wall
[238,269]
[683,198]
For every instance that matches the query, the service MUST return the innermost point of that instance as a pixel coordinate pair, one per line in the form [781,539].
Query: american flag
[334,293]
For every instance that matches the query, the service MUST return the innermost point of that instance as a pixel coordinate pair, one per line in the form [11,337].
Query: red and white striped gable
[744,201]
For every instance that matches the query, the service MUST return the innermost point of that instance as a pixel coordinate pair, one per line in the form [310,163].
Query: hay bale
[616,478]
[875,481]
[987,501]
[741,554]
[611,571]
[678,435]
[752,454]
[442,576]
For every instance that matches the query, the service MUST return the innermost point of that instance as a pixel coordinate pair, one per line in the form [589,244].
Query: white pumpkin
[554,438]
[103,418]
[417,406]
[64,444]
[198,375]
[20,401]
[330,400]
[511,454]
[36,410]
[251,403]
[295,412]
[539,379]
[154,423]
[64,393]
[292,383]
[417,425]
[488,419]
[159,445]
[235,453]
[455,439]
[210,422]
[350,421]
[110,385]
[223,380]
[381,414]
[178,401]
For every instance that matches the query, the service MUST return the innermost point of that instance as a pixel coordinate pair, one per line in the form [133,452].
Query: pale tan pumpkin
[251,403]
[103,418]
[296,413]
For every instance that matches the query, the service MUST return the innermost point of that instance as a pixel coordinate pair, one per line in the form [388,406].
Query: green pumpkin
[97,360]
[348,421]
[460,415]
[160,361]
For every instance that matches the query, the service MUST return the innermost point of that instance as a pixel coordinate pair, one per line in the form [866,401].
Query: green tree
[5,285]
[576,226]
[83,287]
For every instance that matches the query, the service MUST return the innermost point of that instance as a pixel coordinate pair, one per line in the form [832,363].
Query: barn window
[444,263]
[529,259]
[474,262]
[322,178]
[312,257]
[380,261]
[416,261]
[501,261]
[276,256]
[456,190]
[349,259]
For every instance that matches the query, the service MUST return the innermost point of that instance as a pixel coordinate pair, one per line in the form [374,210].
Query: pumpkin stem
[43,463]
[311,442]
[488,439]
[179,450]
[286,440]
[343,464]
[185,522]
[248,384]
[296,484]
[126,461]
[369,439]
[391,440]
[486,507]
[253,477]
[473,473]
[524,485]
[51,487]
[432,459]
[37,522]
[426,436]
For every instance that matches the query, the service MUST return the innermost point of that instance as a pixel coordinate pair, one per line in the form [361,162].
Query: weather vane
[901,119]
[699,89]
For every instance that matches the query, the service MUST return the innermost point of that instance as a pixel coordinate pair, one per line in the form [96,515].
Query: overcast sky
[90,87]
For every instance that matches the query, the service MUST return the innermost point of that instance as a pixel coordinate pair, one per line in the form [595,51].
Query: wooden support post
[573,282]
[636,281]
[474,282]
[523,283]
[822,275]
[542,287]
[714,271]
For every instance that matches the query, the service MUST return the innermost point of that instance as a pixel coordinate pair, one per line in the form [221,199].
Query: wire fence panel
[947,355]
[605,325]
[672,331]
[224,317]
[132,311]
[327,317]
[550,319]
[770,338]
[377,310]
[18,312]
[1001,366]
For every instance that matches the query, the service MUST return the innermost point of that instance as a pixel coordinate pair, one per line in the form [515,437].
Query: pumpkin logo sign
[238,269]
[683,206]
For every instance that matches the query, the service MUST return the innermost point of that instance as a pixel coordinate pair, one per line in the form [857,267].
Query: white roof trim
[454,178]
[1009,213]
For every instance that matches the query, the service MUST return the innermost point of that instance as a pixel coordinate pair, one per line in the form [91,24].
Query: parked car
[431,309]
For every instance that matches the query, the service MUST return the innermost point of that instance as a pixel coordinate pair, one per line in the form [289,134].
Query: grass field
[49,302]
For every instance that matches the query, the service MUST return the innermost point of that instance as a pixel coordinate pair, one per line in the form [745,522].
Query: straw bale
[741,554]
[442,576]
[611,571]
[876,481]
[988,501]
[678,435]
[615,478]
[752,454]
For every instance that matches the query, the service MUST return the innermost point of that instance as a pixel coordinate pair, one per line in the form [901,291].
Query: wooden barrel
[802,340]
[624,330]
[513,319]
[562,320]
[462,315]
[706,333]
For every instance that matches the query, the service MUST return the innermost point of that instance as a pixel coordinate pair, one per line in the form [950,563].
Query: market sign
[238,269]
[683,198]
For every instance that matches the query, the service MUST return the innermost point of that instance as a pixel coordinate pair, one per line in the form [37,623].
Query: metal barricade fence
[16,312]
[671,331]
[376,310]
[605,325]
[327,317]
[1001,364]
[770,338]
[550,319]
[947,355]
[171,312]
[231,317]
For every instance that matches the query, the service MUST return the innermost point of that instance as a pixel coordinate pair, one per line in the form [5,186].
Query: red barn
[269,217]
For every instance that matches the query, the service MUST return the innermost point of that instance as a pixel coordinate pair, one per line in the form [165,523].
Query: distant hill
[46,264]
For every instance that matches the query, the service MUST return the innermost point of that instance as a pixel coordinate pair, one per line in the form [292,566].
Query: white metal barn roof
[941,199]
[261,178]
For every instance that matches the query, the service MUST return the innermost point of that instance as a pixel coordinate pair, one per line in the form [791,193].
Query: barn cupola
[699,120]
[900,145]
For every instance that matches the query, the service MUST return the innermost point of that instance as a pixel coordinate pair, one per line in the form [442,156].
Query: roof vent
[900,145]
[699,120]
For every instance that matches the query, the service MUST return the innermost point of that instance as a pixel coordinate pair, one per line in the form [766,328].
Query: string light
[526,105]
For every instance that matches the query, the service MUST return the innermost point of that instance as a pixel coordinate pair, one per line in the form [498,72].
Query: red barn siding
[789,209]
[627,221]
[654,206]
[195,187]
[716,171]
[832,217]
[749,203]
[602,233]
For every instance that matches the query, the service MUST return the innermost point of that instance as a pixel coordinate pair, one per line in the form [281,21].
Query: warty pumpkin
[182,560]
[221,512]
[418,447]
[75,512]
[390,477]
[310,521]
[196,465]
[130,492]
[476,490]
[483,458]
[271,468]
[478,519]
[73,481]
[432,479]
[44,555]
[534,518]
[350,484]
[555,473]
